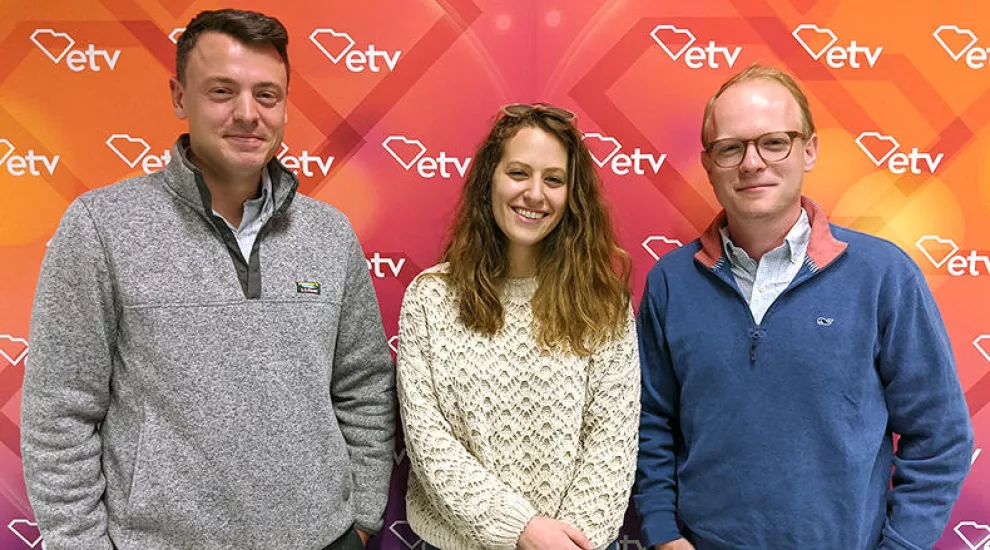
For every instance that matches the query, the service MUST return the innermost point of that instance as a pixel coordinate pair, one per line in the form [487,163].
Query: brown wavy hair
[583,275]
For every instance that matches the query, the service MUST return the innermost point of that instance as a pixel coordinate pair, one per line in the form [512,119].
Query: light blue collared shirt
[763,283]
[256,213]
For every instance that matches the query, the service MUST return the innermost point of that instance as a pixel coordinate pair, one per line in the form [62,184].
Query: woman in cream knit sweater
[518,370]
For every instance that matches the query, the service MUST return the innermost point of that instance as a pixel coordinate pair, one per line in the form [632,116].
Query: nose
[752,160]
[245,108]
[534,192]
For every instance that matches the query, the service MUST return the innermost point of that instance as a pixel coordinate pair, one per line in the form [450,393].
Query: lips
[245,141]
[755,187]
[244,136]
[528,216]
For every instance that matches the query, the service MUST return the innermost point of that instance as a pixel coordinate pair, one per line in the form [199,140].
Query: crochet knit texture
[499,430]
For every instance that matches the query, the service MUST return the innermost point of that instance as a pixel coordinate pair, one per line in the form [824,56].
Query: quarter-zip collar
[823,247]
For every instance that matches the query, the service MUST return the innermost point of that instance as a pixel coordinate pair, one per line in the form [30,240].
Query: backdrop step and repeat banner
[389,98]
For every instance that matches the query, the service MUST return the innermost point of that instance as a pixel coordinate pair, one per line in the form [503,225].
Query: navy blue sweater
[779,435]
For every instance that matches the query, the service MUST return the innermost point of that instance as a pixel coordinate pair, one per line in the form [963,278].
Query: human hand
[679,544]
[364,536]
[543,533]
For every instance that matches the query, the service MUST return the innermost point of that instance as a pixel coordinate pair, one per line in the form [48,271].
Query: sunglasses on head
[517,110]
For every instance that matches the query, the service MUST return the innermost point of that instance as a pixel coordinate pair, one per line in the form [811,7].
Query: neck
[522,261]
[229,192]
[759,236]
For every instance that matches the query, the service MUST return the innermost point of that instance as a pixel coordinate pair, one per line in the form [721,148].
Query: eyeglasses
[771,147]
[517,110]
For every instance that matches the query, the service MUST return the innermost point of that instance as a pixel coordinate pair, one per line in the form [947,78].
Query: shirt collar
[796,241]
[266,191]
[266,200]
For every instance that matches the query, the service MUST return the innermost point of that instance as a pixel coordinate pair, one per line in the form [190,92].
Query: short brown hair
[760,72]
[249,27]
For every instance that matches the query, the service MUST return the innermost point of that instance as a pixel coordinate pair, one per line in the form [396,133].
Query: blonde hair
[759,72]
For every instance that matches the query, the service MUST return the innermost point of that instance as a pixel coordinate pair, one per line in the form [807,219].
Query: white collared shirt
[762,283]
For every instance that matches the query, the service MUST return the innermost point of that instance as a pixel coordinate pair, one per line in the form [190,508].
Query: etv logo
[883,149]
[27,531]
[377,262]
[668,36]
[31,164]
[941,252]
[405,534]
[135,150]
[408,152]
[339,45]
[818,41]
[658,245]
[175,34]
[304,162]
[605,151]
[973,534]
[12,348]
[960,42]
[58,45]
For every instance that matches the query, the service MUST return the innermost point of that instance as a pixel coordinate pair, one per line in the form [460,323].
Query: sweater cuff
[659,527]
[365,517]
[516,514]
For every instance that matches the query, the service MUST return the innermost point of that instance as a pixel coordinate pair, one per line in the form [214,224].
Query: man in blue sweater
[781,353]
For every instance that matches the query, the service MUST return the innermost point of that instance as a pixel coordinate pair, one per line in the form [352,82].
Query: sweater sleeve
[363,393]
[659,425]
[927,408]
[66,388]
[596,501]
[476,503]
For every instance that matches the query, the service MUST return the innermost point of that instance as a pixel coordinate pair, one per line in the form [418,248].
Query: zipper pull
[752,347]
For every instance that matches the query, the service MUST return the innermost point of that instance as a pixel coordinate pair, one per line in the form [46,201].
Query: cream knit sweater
[498,430]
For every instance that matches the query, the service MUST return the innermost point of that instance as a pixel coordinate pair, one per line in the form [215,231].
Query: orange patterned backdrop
[389,99]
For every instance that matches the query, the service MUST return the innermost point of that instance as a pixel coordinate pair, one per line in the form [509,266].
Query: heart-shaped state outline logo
[126,137]
[408,538]
[69,42]
[673,243]
[174,35]
[25,530]
[677,31]
[877,137]
[953,53]
[395,154]
[10,150]
[393,344]
[936,260]
[969,536]
[596,151]
[979,345]
[333,57]
[17,348]
[818,31]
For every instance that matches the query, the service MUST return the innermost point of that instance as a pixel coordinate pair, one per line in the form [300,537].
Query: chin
[525,241]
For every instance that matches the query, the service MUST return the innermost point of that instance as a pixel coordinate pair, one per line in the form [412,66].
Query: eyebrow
[520,163]
[228,80]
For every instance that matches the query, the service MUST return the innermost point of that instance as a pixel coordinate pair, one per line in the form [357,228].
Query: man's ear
[706,161]
[178,97]
[810,152]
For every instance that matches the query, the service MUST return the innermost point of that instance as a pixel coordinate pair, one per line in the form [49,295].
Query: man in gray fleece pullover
[208,368]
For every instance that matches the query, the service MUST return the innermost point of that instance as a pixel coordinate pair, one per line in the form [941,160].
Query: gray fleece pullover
[180,396]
